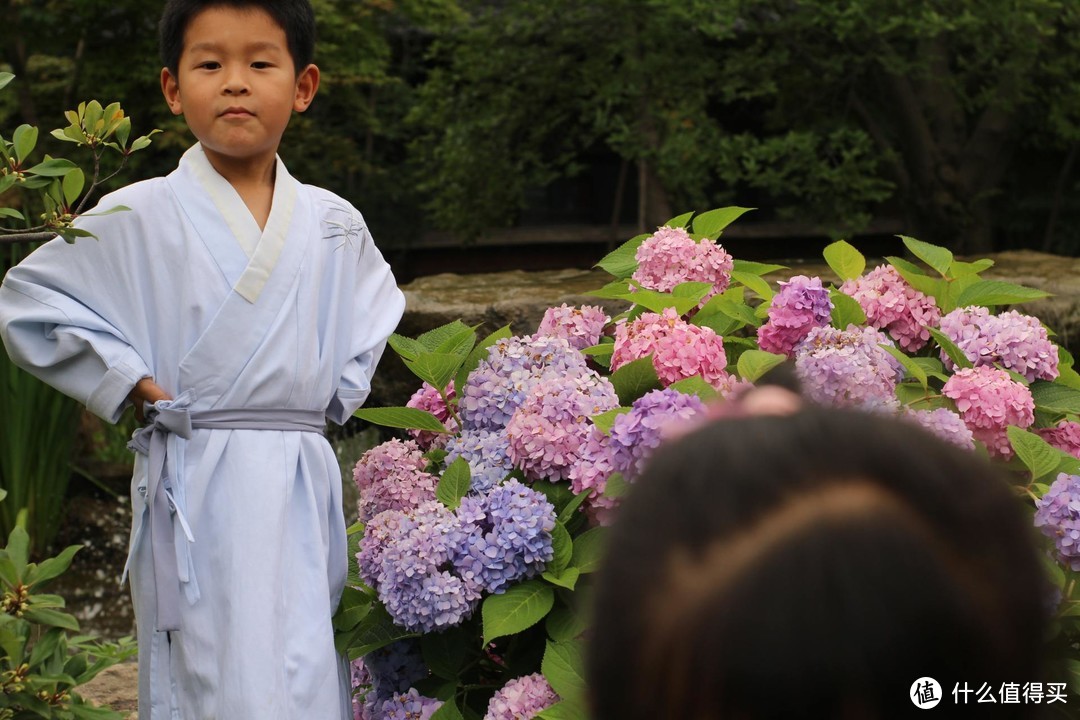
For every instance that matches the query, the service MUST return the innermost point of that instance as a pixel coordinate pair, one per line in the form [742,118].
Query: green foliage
[44,660]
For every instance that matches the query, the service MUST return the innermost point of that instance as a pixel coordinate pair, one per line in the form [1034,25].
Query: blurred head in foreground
[813,564]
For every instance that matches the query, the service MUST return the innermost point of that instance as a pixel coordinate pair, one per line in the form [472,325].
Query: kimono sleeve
[378,307]
[51,329]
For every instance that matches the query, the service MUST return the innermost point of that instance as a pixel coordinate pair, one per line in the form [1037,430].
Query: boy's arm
[50,327]
[378,305]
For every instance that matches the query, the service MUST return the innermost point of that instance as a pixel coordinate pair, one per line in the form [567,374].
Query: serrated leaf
[567,578]
[935,256]
[376,630]
[756,268]
[454,483]
[694,291]
[622,261]
[606,420]
[712,223]
[755,283]
[589,549]
[1038,456]
[567,512]
[996,292]
[563,667]
[563,548]
[845,311]
[564,710]
[916,278]
[679,221]
[634,379]
[405,347]
[563,624]
[353,608]
[912,368]
[755,363]
[615,486]
[447,711]
[963,269]
[955,353]
[432,340]
[520,607]
[401,417]
[445,652]
[847,262]
[436,369]
[737,311]
[657,302]
[695,385]
[1055,398]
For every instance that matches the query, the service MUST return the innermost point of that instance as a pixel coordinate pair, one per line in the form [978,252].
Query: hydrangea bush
[479,527]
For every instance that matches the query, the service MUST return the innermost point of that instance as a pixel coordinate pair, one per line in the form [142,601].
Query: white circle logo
[925,693]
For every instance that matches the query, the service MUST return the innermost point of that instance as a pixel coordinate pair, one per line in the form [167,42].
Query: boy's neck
[253,180]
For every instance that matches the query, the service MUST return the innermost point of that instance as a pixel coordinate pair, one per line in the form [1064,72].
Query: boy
[243,309]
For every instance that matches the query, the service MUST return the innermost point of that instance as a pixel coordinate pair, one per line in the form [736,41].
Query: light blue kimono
[186,289]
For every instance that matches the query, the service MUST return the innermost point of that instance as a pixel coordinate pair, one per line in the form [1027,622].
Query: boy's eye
[209,65]
[260,65]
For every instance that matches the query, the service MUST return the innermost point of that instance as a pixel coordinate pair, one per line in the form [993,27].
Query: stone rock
[117,687]
[519,299]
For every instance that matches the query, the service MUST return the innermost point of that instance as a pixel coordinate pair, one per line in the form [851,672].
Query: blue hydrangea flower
[506,536]
[485,451]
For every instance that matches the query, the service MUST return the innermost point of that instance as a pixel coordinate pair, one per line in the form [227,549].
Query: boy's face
[236,84]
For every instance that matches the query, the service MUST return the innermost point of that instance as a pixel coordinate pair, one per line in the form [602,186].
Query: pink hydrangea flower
[521,699]
[989,400]
[894,306]
[801,305]
[391,476]
[1017,342]
[546,434]
[1064,436]
[428,398]
[679,350]
[670,257]
[581,326]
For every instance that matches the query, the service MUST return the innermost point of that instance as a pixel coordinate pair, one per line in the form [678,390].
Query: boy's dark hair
[296,18]
[813,565]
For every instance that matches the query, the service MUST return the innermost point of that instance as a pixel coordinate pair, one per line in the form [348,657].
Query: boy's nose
[236,84]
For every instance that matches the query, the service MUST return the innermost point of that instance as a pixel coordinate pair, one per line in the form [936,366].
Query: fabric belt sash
[173,417]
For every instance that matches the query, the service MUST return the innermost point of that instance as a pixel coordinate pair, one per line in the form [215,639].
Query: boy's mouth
[236,112]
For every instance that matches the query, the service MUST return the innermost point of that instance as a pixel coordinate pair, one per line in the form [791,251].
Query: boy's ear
[170,88]
[307,84]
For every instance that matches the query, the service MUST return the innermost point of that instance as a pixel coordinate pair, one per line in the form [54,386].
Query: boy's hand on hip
[146,391]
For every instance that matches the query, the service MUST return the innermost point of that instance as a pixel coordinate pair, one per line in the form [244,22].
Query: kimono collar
[262,247]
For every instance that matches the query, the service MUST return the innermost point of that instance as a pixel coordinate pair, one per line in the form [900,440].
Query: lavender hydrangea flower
[846,368]
[521,699]
[486,453]
[545,434]
[500,383]
[407,706]
[1017,342]
[384,673]
[506,536]
[943,423]
[412,581]
[801,305]
[1057,514]
[633,438]
[582,326]
[391,476]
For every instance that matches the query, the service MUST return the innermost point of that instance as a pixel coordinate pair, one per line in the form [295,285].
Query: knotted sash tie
[173,417]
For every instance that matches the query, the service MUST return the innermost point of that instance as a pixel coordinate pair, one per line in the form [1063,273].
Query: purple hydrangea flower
[506,536]
[546,433]
[521,699]
[943,423]
[846,368]
[391,476]
[413,581]
[486,453]
[407,706]
[1057,514]
[1017,342]
[801,305]
[1064,436]
[582,326]
[633,438]
[500,383]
